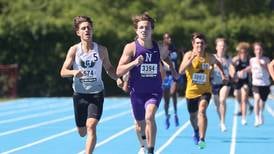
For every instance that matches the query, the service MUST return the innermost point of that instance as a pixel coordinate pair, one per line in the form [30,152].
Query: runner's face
[144,30]
[258,51]
[85,31]
[243,54]
[198,45]
[167,39]
[221,47]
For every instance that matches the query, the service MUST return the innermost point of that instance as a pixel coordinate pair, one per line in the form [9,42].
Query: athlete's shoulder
[130,46]
[210,55]
[188,53]
[252,58]
[100,47]
[267,59]
[73,48]
[235,58]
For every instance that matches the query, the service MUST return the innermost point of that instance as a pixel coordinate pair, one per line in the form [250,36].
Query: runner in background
[260,81]
[241,80]
[220,90]
[170,86]
[197,65]
[271,69]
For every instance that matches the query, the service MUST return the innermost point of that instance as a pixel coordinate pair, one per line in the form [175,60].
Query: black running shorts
[238,85]
[87,106]
[193,103]
[262,90]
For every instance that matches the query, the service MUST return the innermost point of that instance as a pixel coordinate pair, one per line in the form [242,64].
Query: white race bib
[205,66]
[243,76]
[258,74]
[148,70]
[199,78]
[89,76]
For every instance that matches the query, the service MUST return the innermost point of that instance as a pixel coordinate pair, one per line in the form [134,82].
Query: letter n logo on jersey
[148,57]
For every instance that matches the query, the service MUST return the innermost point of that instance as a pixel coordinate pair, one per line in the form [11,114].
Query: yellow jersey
[198,77]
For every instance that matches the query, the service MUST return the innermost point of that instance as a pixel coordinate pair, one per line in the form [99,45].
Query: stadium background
[36,34]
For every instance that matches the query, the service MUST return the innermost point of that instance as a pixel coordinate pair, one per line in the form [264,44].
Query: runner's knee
[91,125]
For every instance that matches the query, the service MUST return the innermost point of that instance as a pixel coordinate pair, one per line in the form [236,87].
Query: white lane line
[32,103]
[52,106]
[234,131]
[270,110]
[114,116]
[35,125]
[55,121]
[116,106]
[112,137]
[38,108]
[61,134]
[51,122]
[40,141]
[49,113]
[172,138]
[33,116]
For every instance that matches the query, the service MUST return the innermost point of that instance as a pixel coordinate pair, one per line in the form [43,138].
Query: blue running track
[46,126]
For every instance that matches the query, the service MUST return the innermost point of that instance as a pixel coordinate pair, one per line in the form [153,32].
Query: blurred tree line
[36,34]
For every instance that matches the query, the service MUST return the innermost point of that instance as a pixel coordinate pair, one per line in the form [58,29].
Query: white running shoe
[142,151]
[244,122]
[223,127]
[256,123]
[261,121]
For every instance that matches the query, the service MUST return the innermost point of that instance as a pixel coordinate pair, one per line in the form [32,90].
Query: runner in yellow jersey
[197,64]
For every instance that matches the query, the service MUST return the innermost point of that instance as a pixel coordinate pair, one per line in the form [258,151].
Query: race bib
[148,70]
[199,78]
[89,76]
[205,66]
[242,76]
[90,73]
[258,74]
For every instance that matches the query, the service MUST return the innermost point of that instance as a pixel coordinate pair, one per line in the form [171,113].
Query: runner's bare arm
[271,69]
[164,53]
[125,63]
[219,65]
[106,62]
[66,70]
[187,60]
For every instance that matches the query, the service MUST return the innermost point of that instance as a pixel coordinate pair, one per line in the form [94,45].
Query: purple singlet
[145,80]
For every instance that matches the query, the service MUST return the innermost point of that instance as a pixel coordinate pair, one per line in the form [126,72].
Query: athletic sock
[150,150]
[144,137]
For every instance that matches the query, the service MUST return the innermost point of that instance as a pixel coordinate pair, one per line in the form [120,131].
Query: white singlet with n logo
[91,66]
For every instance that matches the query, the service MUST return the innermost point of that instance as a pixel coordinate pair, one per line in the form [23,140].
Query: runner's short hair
[142,17]
[79,19]
[198,35]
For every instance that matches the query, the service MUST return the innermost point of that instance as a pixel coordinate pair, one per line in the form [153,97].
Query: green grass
[5,99]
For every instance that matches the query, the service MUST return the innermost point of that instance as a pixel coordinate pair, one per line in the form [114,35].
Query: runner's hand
[119,83]
[139,60]
[78,73]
